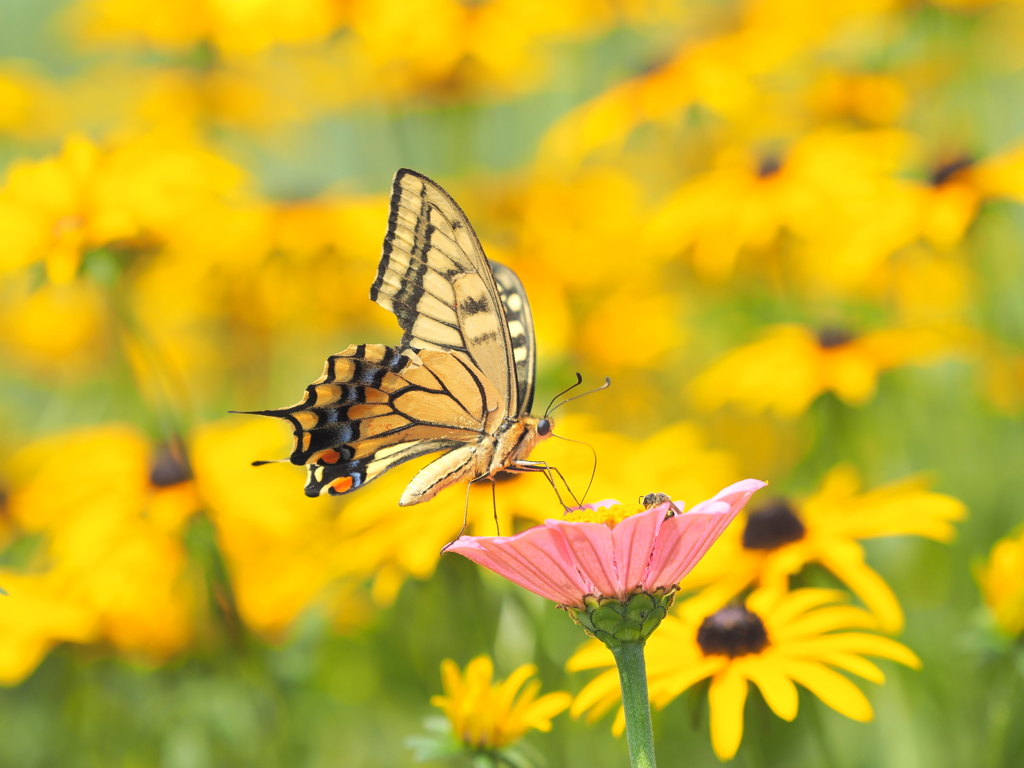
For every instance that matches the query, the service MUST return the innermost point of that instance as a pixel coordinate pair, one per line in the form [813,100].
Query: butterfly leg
[465,521]
[549,471]
[494,506]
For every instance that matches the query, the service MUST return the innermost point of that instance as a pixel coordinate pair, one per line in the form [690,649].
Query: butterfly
[460,383]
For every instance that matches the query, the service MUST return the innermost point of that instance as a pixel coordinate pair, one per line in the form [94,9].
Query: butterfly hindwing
[434,277]
[519,321]
[375,407]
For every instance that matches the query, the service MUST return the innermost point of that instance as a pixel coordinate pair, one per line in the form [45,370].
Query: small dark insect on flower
[654,499]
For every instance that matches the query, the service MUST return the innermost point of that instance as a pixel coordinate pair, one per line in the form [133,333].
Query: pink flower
[565,561]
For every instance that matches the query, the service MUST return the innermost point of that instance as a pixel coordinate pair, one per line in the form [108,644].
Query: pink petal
[536,559]
[593,551]
[635,539]
[684,539]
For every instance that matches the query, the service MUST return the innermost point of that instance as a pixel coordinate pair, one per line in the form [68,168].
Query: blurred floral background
[789,231]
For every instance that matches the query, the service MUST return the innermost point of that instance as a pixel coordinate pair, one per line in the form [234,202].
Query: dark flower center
[170,466]
[769,166]
[834,337]
[733,631]
[947,171]
[772,525]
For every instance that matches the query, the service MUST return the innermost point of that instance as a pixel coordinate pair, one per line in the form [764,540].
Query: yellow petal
[871,645]
[828,619]
[871,588]
[726,699]
[597,696]
[778,690]
[832,688]
[854,664]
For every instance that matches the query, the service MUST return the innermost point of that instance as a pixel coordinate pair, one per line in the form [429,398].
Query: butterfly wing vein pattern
[461,382]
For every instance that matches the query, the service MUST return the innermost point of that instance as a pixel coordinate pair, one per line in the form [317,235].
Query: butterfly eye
[543,427]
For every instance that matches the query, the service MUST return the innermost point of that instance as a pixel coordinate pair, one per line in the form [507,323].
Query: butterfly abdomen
[504,451]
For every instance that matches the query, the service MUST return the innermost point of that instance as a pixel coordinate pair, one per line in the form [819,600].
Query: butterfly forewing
[435,278]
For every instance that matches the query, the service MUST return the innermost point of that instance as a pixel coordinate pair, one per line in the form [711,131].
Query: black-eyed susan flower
[108,511]
[750,198]
[792,365]
[776,540]
[132,195]
[488,715]
[775,640]
[1001,579]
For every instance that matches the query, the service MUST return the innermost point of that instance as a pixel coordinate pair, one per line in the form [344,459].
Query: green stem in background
[629,658]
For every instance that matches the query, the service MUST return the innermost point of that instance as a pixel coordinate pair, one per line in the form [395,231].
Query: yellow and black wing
[376,407]
[447,296]
[462,380]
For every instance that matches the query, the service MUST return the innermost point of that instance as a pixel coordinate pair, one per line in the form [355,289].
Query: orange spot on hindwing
[342,484]
[330,456]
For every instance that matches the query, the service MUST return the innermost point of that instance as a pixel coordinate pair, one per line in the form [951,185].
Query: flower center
[948,171]
[769,166]
[610,516]
[170,466]
[772,526]
[733,631]
[830,337]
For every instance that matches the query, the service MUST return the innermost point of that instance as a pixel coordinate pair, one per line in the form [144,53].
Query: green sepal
[614,621]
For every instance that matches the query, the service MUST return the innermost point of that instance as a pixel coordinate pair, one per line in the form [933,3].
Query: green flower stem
[629,657]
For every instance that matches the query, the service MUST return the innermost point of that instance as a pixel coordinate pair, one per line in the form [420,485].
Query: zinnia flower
[607,554]
[774,640]
[489,715]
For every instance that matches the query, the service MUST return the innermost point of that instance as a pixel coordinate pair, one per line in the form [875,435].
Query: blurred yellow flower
[775,640]
[52,330]
[772,542]
[1001,579]
[582,227]
[486,714]
[870,98]
[1002,379]
[29,106]
[235,28]
[791,366]
[110,512]
[282,550]
[748,200]
[726,74]
[38,613]
[57,209]
[452,48]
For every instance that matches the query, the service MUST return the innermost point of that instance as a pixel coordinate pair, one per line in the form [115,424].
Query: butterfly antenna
[593,471]
[552,408]
[551,405]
